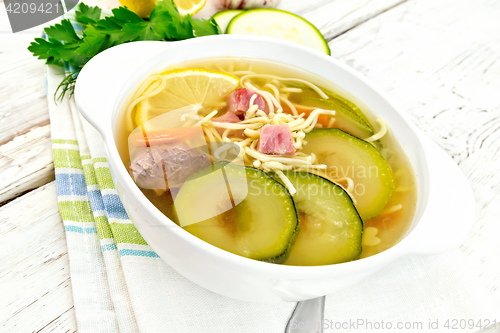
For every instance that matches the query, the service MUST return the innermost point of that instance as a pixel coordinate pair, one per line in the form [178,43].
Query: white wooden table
[439,59]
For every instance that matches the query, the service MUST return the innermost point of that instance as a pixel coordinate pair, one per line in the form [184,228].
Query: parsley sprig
[64,46]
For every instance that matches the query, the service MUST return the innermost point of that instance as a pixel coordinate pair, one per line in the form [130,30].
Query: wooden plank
[26,163]
[335,17]
[440,61]
[23,100]
[34,269]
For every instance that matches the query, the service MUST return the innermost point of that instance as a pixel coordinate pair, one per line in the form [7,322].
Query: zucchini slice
[347,156]
[331,229]
[239,209]
[224,17]
[346,104]
[279,24]
[345,119]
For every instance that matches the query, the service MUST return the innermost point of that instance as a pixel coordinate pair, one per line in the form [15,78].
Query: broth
[394,220]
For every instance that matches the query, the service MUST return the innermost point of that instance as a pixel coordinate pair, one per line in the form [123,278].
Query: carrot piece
[163,136]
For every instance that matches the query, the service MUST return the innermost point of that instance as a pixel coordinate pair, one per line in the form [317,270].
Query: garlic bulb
[248,4]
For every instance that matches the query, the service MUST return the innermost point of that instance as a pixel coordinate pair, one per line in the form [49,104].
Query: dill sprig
[67,85]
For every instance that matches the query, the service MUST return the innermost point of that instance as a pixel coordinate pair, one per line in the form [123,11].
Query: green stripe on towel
[67,158]
[127,233]
[88,171]
[103,228]
[62,141]
[78,211]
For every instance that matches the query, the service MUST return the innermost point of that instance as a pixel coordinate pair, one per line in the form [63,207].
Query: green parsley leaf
[56,52]
[114,25]
[63,32]
[169,23]
[141,31]
[92,42]
[204,27]
[87,15]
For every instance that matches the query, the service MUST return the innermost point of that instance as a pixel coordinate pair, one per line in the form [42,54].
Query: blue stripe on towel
[114,207]
[108,247]
[80,229]
[139,253]
[95,199]
[70,184]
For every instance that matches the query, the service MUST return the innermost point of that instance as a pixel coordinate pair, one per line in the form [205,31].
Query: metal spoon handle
[307,317]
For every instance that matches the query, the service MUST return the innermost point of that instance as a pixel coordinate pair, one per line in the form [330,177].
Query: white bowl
[445,207]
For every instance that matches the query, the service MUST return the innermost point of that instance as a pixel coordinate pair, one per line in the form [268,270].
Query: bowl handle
[102,78]
[450,211]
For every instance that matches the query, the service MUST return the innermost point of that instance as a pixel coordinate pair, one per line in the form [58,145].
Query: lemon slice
[201,88]
[191,7]
[141,7]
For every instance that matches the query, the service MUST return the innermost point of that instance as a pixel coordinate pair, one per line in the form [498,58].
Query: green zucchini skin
[254,21]
[345,119]
[331,228]
[341,151]
[225,16]
[258,218]
[347,104]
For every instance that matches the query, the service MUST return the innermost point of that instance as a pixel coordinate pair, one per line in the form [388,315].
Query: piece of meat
[238,102]
[167,166]
[276,140]
[227,117]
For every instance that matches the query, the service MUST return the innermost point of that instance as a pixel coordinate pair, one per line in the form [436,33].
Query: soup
[267,161]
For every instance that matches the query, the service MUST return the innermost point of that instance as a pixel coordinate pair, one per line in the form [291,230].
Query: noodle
[251,111]
[349,181]
[292,90]
[290,105]
[379,134]
[287,182]
[242,72]
[209,133]
[234,126]
[252,100]
[274,89]
[392,209]
[224,135]
[269,98]
[222,149]
[250,133]
[268,158]
[313,117]
[331,122]
[278,78]
[261,113]
[207,118]
[143,95]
